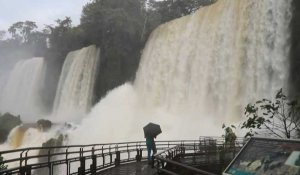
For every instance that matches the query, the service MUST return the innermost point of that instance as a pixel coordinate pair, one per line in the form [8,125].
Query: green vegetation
[272,118]
[22,31]
[278,118]
[229,135]
[7,123]
[116,26]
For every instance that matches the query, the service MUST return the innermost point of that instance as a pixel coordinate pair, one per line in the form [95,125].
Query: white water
[21,93]
[219,59]
[31,137]
[121,115]
[76,84]
[73,98]
[197,72]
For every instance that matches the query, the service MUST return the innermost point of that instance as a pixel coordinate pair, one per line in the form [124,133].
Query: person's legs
[154,149]
[149,153]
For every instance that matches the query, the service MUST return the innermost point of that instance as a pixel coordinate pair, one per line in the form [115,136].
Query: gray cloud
[40,11]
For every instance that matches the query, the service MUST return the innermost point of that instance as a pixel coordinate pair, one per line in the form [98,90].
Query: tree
[22,30]
[38,42]
[278,118]
[171,9]
[58,33]
[116,26]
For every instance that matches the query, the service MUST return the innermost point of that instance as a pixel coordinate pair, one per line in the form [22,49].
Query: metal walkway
[128,158]
[139,168]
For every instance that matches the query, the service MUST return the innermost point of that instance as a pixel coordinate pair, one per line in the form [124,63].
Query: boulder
[44,125]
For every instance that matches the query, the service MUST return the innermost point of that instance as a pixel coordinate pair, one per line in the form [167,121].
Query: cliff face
[295,50]
[7,123]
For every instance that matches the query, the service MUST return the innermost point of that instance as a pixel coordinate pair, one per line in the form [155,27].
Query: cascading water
[21,93]
[76,84]
[197,72]
[218,59]
[73,98]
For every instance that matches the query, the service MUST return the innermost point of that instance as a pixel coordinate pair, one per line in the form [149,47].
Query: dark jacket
[150,142]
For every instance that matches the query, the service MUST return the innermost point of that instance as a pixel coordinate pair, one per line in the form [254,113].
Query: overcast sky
[40,11]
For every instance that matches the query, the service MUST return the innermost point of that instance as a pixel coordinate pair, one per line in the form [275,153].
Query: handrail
[190,168]
[205,146]
[89,145]
[160,161]
[100,156]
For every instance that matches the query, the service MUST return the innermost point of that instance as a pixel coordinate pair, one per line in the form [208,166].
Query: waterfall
[76,83]
[73,98]
[21,93]
[219,59]
[197,72]
[16,136]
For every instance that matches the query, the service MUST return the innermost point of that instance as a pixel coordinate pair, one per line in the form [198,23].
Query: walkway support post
[81,169]
[138,157]
[118,158]
[28,170]
[141,153]
[49,162]
[93,166]
[22,170]
[67,162]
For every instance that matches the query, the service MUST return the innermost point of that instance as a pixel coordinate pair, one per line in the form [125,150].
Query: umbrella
[151,130]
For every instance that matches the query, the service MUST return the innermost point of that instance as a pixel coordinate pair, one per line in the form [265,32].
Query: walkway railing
[171,154]
[79,159]
[90,159]
[170,161]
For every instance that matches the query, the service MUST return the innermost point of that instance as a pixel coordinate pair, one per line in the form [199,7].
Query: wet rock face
[295,50]
[7,123]
[53,142]
[44,125]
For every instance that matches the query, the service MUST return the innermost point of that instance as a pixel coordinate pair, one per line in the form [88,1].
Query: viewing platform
[136,168]
[128,158]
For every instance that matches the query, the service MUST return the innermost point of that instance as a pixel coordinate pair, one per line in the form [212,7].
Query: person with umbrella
[151,130]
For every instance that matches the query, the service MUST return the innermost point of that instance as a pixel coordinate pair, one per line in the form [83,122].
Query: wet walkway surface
[139,168]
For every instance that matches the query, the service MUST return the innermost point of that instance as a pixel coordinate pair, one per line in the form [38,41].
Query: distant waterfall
[219,59]
[76,84]
[21,94]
